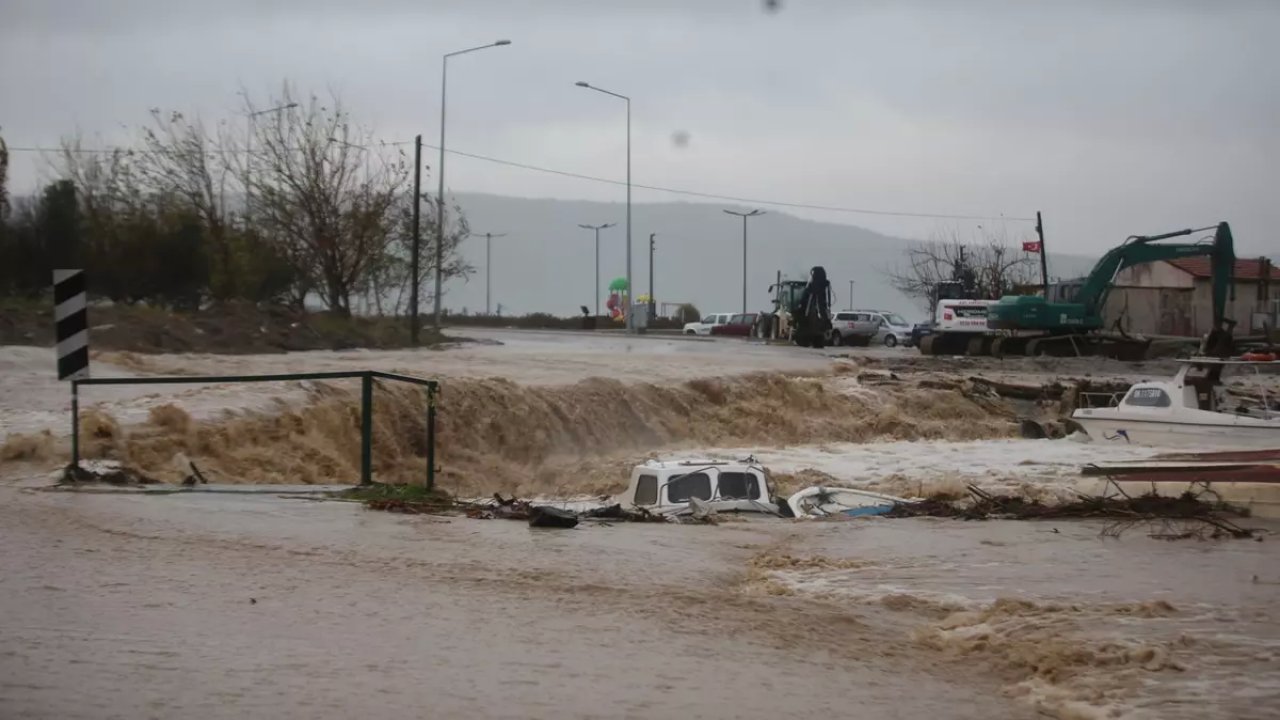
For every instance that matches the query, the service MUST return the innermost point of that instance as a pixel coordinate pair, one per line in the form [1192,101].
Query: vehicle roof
[693,465]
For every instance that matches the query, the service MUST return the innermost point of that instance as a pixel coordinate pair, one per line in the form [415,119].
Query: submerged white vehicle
[1191,410]
[675,488]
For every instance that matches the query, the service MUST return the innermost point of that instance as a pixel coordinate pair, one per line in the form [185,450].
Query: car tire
[890,340]
[690,332]
[835,338]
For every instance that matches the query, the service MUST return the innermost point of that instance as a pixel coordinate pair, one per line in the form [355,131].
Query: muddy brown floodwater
[209,606]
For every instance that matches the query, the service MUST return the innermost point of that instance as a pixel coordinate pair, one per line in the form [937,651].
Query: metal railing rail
[366,405]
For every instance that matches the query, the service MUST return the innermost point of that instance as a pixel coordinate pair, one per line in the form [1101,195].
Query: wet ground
[234,606]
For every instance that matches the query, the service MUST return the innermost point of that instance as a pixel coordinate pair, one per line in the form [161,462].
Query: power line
[611,181]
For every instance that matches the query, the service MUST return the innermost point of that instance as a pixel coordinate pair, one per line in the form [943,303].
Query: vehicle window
[722,319]
[647,490]
[739,486]
[709,320]
[738,320]
[1148,397]
[686,486]
[895,319]
[845,316]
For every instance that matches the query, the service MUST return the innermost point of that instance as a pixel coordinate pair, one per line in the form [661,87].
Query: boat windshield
[692,485]
[738,486]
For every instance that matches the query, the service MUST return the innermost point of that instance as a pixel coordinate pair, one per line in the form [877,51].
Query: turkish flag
[1031,247]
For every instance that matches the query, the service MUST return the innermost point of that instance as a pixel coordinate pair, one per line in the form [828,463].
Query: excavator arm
[1144,249]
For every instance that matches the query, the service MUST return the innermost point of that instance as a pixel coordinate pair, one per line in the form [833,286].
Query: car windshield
[709,320]
[894,319]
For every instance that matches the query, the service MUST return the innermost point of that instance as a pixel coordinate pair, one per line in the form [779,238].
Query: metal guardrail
[366,406]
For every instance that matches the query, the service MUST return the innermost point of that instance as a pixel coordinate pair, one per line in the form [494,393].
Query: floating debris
[1183,516]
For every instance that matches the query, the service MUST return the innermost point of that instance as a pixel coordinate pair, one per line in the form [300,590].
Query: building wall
[1154,275]
[1186,312]
[1151,311]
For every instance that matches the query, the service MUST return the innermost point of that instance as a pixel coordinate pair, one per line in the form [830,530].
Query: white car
[894,330]
[703,326]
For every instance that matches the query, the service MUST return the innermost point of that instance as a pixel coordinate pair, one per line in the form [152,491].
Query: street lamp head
[501,43]
[582,84]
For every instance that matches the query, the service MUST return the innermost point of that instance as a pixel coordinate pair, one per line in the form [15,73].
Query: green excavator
[1031,325]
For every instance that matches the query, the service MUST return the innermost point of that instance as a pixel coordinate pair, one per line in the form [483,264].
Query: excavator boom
[1084,313]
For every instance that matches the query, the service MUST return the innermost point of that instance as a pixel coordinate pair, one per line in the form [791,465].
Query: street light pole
[488,263]
[850,294]
[444,81]
[597,229]
[630,287]
[651,302]
[744,217]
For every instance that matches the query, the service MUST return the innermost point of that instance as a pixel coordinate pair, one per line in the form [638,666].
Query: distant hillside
[546,262]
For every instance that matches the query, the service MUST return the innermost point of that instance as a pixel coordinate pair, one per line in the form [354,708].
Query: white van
[894,330]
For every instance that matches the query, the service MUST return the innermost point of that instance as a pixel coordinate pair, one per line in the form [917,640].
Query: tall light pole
[444,81]
[488,263]
[597,229]
[630,287]
[651,248]
[744,217]
[850,294]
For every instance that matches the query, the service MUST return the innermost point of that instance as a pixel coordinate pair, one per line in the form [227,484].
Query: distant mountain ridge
[545,263]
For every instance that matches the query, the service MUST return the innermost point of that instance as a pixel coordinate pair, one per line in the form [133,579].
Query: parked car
[920,331]
[703,326]
[893,329]
[739,325]
[850,327]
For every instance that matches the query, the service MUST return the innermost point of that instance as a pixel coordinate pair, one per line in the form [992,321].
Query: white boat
[699,486]
[822,501]
[1190,410]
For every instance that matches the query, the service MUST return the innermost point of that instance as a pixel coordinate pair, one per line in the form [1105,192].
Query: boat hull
[825,501]
[1102,428]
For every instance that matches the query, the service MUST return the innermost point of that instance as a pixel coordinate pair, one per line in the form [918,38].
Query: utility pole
[417,239]
[744,217]
[1044,257]
[488,263]
[850,294]
[597,229]
[651,302]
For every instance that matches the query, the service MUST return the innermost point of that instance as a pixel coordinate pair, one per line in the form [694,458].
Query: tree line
[292,203]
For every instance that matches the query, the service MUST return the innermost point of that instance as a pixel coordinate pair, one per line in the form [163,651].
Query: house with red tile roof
[1174,297]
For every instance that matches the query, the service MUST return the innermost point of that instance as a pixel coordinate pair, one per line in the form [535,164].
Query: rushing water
[230,606]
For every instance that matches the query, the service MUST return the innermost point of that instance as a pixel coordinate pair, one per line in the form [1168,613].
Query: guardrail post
[75,423]
[366,429]
[431,436]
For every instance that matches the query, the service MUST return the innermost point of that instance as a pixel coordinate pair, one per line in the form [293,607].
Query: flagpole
[1044,257]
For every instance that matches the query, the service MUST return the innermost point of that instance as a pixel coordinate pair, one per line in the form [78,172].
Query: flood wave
[496,435]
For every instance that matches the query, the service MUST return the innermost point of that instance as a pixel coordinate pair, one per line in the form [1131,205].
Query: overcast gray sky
[1114,117]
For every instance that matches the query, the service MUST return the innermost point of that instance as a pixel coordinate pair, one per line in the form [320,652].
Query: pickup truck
[703,326]
[739,325]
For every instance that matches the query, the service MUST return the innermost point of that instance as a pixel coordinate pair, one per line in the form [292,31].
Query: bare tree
[394,273]
[987,267]
[315,192]
[182,162]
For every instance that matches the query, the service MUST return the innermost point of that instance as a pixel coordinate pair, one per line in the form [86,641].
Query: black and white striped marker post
[71,333]
[71,315]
